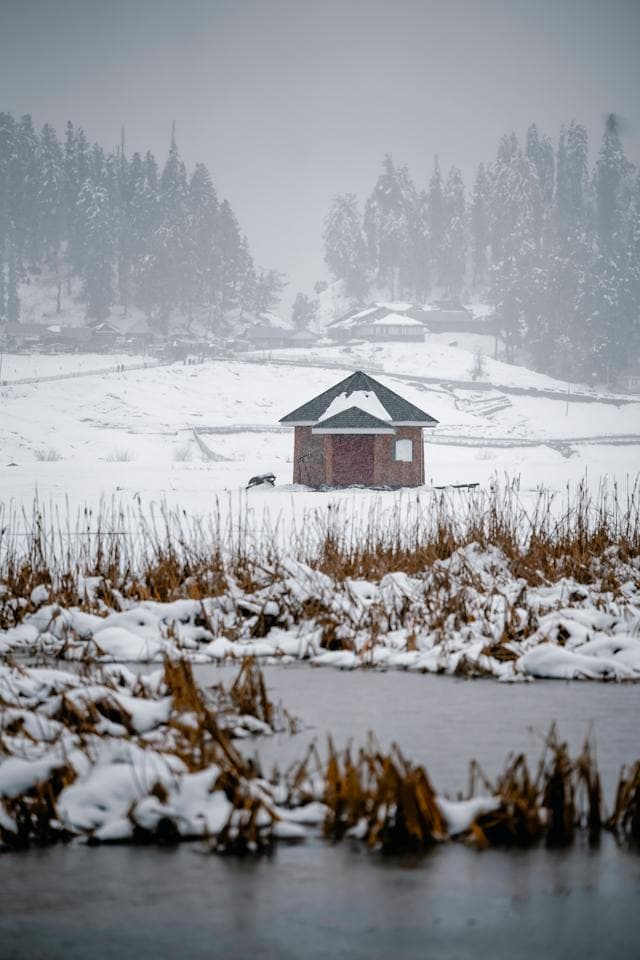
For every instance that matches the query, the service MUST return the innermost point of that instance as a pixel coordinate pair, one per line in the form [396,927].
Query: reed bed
[54,729]
[389,803]
[115,554]
[111,757]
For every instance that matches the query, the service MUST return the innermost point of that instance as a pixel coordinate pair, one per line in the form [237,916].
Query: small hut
[359,432]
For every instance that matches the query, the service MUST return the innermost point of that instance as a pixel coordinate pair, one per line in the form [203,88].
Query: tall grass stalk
[163,554]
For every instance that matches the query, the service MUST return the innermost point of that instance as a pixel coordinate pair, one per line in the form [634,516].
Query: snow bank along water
[485,589]
[111,757]
[468,614]
[491,590]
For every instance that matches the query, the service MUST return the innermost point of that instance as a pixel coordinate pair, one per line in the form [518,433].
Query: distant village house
[381,322]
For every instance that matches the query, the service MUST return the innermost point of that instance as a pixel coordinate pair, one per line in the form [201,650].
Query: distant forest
[133,234]
[554,245]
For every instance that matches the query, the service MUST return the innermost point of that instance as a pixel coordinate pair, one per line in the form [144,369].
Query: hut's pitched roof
[397,408]
[353,419]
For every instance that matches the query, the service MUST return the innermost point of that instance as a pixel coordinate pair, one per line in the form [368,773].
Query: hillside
[132,433]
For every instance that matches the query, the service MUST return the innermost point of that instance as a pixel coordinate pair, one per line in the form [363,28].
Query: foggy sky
[291,101]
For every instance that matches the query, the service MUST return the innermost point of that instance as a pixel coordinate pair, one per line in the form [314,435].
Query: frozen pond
[444,722]
[315,901]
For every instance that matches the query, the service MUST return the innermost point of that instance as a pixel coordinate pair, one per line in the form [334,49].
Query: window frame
[404,441]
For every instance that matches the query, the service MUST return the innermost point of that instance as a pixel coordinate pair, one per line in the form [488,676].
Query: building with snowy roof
[266,334]
[359,432]
[381,322]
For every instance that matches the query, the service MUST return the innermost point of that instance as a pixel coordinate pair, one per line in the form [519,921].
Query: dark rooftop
[399,409]
[353,419]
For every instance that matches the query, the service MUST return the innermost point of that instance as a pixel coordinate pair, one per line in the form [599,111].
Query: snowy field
[449,356]
[191,436]
[132,434]
[27,366]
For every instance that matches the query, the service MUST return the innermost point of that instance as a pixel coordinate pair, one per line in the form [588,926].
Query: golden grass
[169,555]
[387,799]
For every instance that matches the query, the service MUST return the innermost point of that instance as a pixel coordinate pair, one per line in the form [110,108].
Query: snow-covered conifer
[345,250]
[454,246]
[304,311]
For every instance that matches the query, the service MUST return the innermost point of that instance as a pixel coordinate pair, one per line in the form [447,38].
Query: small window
[404,450]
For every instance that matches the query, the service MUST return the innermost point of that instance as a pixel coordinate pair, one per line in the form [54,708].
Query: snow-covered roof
[362,313]
[364,400]
[446,306]
[369,396]
[353,420]
[264,331]
[396,320]
[373,313]
[273,320]
[397,306]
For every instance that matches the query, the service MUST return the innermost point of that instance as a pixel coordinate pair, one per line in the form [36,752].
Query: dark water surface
[317,901]
[444,722]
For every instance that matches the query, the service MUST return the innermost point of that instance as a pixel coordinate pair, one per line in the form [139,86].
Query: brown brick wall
[319,470]
[393,473]
[312,470]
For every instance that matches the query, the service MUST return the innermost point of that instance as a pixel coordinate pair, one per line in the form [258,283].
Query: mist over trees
[132,234]
[552,243]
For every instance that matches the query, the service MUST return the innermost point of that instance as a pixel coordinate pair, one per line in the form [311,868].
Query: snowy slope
[433,358]
[133,433]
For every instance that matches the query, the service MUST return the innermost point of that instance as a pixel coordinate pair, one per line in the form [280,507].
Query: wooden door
[352,460]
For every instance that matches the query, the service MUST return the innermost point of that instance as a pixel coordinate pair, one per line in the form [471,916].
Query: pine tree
[237,275]
[12,298]
[435,218]
[539,152]
[26,182]
[127,232]
[7,153]
[70,190]
[345,250]
[145,221]
[480,227]
[304,311]
[122,203]
[170,239]
[267,292]
[515,248]
[394,230]
[414,261]
[50,194]
[571,182]
[77,171]
[383,228]
[454,247]
[203,254]
[98,234]
[612,170]
[3,300]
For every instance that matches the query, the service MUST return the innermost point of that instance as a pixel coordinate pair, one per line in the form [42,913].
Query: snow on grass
[433,358]
[152,414]
[486,588]
[111,757]
[21,366]
[116,757]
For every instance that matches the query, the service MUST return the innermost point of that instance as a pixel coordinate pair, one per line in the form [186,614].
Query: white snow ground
[190,435]
[132,434]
